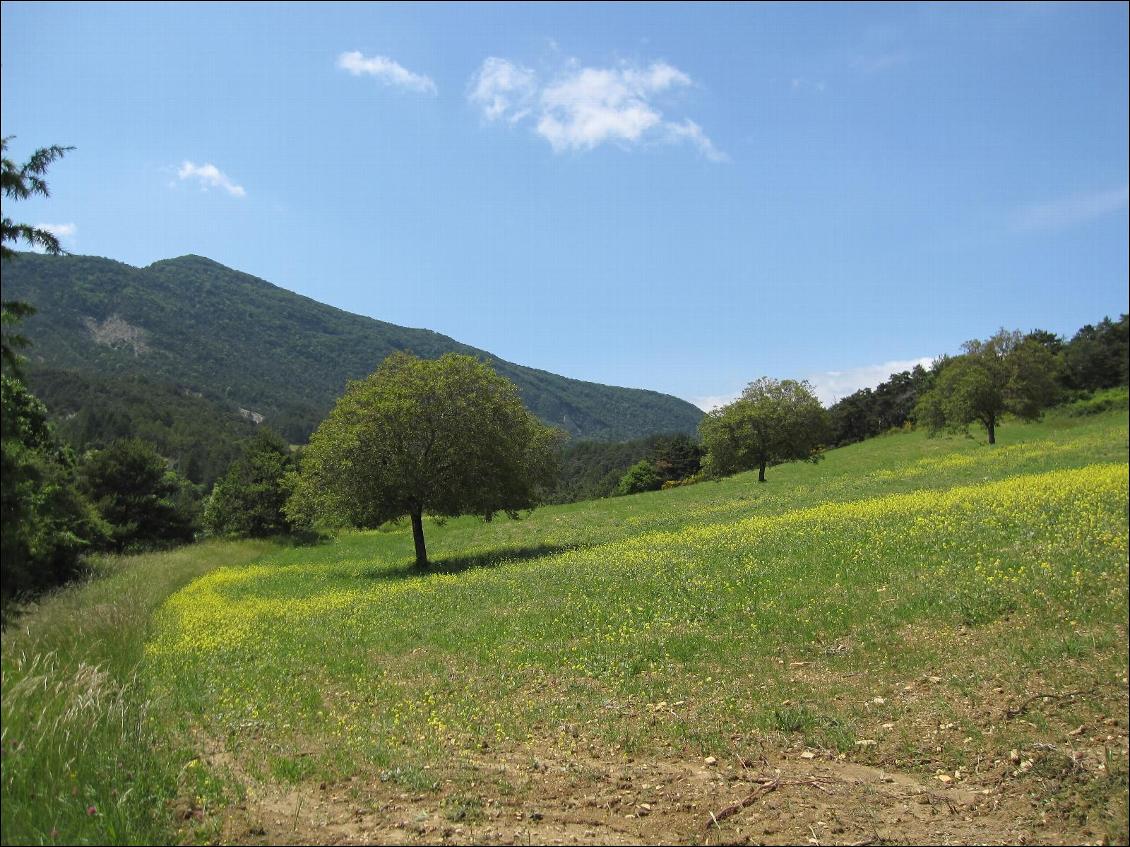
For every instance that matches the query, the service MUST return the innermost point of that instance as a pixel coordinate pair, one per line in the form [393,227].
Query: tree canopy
[248,501]
[19,182]
[46,523]
[773,421]
[1098,356]
[872,411]
[642,476]
[444,437]
[137,495]
[1010,372]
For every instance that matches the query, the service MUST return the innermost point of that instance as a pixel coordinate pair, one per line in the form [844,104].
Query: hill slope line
[251,345]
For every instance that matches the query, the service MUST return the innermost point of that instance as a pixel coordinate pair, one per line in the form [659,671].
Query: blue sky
[675,197]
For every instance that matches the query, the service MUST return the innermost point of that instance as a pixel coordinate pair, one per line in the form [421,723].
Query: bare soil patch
[787,796]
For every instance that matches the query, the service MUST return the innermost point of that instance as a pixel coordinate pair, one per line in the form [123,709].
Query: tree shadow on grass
[459,564]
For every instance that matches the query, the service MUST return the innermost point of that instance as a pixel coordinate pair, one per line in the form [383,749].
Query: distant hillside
[248,345]
[200,437]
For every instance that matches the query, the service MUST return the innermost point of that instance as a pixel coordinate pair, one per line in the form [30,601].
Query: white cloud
[713,401]
[387,70]
[59,230]
[688,130]
[63,232]
[209,176]
[503,89]
[831,386]
[584,107]
[593,105]
[1071,211]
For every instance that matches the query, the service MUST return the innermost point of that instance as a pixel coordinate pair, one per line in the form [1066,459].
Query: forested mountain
[200,437]
[247,347]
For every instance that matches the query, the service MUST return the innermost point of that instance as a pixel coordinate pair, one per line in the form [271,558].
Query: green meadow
[931,607]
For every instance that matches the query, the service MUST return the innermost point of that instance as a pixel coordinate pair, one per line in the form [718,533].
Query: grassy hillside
[921,639]
[241,341]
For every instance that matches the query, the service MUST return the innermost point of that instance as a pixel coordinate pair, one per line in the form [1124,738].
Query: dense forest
[1096,357]
[594,469]
[246,344]
[199,437]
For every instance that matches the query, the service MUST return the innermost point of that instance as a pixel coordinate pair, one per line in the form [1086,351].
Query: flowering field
[388,662]
[343,660]
[936,609]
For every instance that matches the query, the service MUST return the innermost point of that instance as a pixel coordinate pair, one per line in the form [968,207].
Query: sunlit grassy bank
[88,755]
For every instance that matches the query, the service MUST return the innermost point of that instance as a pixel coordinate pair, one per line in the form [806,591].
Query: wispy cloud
[1072,211]
[387,70]
[209,176]
[873,63]
[710,402]
[800,83]
[831,386]
[503,89]
[691,132]
[881,47]
[582,108]
[59,230]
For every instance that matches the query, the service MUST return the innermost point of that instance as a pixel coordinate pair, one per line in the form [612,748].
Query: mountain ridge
[242,340]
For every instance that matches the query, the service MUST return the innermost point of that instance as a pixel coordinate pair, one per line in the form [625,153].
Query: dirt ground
[790,796]
[1062,779]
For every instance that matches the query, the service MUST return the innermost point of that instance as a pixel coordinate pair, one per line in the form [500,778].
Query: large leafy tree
[773,421]
[1008,373]
[444,437]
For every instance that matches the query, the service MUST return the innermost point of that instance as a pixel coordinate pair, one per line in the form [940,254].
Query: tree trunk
[761,472]
[418,538]
[992,427]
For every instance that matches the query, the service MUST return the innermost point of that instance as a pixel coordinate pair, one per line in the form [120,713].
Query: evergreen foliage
[200,436]
[446,437]
[46,523]
[248,501]
[138,496]
[670,459]
[1098,356]
[642,476]
[869,412]
[19,182]
[593,469]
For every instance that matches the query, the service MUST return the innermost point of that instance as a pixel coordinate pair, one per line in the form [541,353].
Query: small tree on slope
[1007,373]
[773,421]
